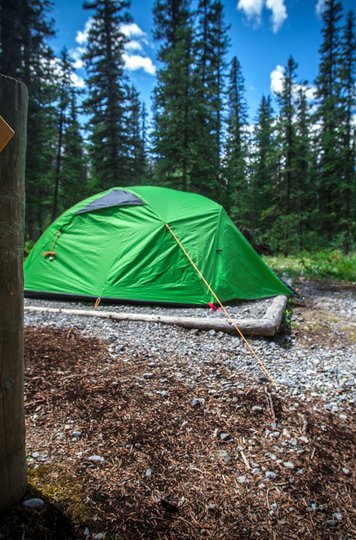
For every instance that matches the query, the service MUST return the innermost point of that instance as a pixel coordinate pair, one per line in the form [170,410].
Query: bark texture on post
[13,108]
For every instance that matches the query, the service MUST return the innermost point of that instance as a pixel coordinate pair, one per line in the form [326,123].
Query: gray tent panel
[116,197]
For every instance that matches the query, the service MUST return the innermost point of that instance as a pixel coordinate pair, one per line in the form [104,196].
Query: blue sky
[263,34]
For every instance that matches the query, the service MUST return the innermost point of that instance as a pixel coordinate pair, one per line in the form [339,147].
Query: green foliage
[347,131]
[288,315]
[327,264]
[25,31]
[237,197]
[328,116]
[289,178]
[263,169]
[107,91]
[65,96]
[188,98]
[136,161]
[174,105]
[74,168]
[27,248]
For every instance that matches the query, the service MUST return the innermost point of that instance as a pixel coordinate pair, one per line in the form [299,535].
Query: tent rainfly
[125,244]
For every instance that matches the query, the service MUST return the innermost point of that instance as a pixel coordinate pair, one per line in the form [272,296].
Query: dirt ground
[114,457]
[318,324]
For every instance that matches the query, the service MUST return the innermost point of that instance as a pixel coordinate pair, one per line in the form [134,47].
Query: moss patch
[60,487]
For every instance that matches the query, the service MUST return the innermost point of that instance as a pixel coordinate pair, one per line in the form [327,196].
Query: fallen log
[267,326]
[275,312]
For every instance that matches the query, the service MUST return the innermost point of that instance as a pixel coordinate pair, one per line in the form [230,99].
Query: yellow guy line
[229,319]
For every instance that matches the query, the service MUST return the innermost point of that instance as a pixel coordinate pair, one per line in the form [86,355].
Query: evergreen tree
[64,85]
[11,33]
[25,54]
[288,173]
[74,170]
[236,200]
[135,151]
[211,44]
[305,195]
[173,101]
[38,73]
[263,172]
[205,167]
[188,99]
[148,176]
[328,117]
[106,90]
[217,75]
[348,102]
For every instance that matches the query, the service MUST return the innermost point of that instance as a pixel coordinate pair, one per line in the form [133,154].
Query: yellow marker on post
[6,133]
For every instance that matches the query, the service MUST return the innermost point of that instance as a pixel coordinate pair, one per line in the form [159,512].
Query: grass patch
[350,331]
[319,265]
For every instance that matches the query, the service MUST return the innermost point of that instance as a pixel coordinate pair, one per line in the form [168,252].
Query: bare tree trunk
[13,108]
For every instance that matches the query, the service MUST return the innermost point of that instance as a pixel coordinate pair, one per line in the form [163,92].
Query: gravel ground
[239,310]
[314,354]
[154,431]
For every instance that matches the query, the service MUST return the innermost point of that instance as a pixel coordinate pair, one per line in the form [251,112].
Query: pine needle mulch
[120,446]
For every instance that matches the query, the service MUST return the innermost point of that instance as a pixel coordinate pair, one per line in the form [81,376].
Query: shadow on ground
[49,522]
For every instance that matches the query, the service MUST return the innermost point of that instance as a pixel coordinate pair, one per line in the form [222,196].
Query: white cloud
[82,36]
[137,38]
[76,55]
[56,66]
[279,13]
[77,81]
[277,78]
[320,6]
[249,128]
[78,64]
[310,92]
[129,30]
[135,62]
[133,46]
[253,11]
[132,30]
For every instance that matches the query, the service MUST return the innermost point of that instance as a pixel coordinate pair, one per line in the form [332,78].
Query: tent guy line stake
[229,319]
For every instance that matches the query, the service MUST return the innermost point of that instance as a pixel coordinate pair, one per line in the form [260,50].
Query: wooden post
[13,108]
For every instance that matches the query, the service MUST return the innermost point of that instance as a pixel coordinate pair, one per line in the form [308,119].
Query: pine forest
[287,176]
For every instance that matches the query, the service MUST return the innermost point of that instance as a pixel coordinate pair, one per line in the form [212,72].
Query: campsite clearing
[162,432]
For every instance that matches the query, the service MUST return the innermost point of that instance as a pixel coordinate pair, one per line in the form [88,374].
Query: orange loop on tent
[97,302]
[49,254]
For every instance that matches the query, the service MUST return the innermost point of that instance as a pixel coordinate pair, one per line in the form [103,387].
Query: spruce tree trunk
[58,162]
[13,108]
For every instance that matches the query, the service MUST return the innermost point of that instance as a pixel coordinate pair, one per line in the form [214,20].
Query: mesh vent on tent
[116,197]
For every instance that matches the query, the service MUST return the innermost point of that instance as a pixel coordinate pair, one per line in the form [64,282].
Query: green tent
[116,245]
